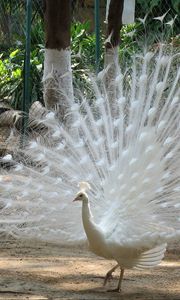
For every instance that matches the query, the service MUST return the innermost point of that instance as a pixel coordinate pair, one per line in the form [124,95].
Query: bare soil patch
[35,270]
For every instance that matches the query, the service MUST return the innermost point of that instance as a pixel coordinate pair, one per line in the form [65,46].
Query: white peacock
[127,151]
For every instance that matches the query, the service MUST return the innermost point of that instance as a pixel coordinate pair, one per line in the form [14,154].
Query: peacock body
[126,148]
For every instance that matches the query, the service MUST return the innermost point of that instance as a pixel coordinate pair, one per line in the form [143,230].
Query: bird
[124,155]
[101,243]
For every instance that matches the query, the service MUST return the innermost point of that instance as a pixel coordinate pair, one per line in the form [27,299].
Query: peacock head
[81,195]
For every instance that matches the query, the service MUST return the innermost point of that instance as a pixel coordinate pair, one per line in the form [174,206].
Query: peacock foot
[109,276]
[118,289]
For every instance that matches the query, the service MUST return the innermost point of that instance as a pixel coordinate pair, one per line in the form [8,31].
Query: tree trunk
[111,59]
[58,89]
[114,23]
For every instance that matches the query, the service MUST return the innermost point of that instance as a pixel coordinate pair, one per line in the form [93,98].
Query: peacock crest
[84,186]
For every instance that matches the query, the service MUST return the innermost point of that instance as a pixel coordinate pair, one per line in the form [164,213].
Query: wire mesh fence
[12,50]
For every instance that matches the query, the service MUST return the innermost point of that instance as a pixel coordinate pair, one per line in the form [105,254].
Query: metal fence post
[27,67]
[97,32]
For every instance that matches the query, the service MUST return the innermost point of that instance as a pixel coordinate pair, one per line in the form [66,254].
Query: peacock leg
[118,289]
[120,280]
[109,274]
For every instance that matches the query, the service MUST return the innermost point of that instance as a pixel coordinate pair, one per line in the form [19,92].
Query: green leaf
[14,53]
[16,73]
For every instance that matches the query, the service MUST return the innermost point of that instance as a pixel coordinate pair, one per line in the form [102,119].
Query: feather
[126,159]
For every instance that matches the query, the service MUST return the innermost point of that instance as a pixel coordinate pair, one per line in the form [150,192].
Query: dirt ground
[34,270]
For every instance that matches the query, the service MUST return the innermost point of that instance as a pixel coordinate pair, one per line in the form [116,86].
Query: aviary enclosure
[89,149]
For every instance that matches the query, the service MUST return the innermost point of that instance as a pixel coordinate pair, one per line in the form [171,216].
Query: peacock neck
[87,218]
[86,213]
[94,235]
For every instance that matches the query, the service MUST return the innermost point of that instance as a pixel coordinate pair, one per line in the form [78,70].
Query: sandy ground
[34,270]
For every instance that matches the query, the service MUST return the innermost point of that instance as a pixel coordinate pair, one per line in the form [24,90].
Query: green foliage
[83,46]
[83,55]
[129,42]
[37,33]
[11,81]
[12,45]
[12,74]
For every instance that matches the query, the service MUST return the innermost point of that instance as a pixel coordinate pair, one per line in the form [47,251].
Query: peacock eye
[80,195]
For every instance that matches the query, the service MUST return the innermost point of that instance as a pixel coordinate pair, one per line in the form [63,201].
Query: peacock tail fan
[125,148]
